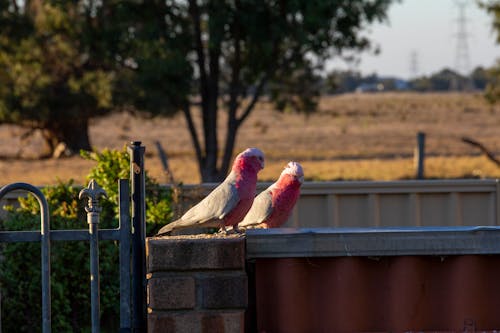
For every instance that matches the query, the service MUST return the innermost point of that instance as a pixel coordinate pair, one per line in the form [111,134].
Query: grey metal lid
[335,242]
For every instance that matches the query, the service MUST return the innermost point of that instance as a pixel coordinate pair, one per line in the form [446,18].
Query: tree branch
[194,11]
[485,151]
[233,122]
[271,70]
[233,104]
[210,114]
[15,6]
[194,134]
[234,90]
[169,175]
[255,98]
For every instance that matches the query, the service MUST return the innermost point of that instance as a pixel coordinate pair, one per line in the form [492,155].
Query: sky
[421,37]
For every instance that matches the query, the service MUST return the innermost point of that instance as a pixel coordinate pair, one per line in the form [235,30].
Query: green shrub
[113,165]
[20,264]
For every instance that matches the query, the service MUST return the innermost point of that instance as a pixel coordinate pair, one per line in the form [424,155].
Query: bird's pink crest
[294,169]
[251,153]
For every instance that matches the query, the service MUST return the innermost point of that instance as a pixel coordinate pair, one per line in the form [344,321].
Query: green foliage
[492,92]
[20,268]
[245,49]
[20,264]
[50,73]
[444,80]
[64,62]
[481,77]
[298,92]
[113,165]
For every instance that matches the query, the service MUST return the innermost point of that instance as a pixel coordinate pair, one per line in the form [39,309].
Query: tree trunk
[211,175]
[73,133]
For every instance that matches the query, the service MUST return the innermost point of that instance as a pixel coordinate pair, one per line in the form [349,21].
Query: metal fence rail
[131,230]
[45,236]
[42,236]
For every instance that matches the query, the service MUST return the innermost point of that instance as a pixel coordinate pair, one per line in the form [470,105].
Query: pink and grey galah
[229,202]
[272,207]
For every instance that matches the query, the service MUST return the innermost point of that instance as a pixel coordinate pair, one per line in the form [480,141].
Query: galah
[272,207]
[228,203]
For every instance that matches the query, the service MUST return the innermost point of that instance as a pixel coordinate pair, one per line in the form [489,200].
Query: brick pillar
[196,284]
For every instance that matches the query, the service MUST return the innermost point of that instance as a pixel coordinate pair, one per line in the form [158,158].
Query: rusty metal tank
[376,280]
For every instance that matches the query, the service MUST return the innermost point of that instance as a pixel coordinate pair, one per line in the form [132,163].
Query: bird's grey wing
[261,209]
[215,205]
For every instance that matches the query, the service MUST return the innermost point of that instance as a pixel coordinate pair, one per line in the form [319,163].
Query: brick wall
[196,284]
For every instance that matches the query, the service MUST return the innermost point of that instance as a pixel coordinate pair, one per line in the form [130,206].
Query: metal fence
[130,234]
[406,203]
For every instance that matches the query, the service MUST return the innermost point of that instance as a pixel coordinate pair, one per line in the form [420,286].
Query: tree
[444,80]
[492,91]
[240,48]
[63,63]
[53,69]
[338,82]
[480,77]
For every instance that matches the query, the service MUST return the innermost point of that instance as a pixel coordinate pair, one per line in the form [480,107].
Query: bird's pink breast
[246,183]
[238,213]
[284,198]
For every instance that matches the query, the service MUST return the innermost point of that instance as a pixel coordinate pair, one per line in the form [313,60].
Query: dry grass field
[351,137]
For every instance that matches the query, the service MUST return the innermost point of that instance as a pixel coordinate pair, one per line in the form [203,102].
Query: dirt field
[354,136]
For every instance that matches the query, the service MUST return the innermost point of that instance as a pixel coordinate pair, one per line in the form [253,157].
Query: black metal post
[420,156]
[93,192]
[138,195]
[125,269]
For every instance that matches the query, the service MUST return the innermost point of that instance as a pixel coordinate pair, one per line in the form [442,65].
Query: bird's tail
[167,229]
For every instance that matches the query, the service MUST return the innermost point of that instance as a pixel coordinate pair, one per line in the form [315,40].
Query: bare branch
[210,110]
[255,98]
[232,127]
[271,70]
[194,11]
[192,131]
[233,104]
[15,6]
[234,86]
[485,151]
[164,162]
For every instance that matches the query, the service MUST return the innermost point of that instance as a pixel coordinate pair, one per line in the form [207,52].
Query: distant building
[401,84]
[383,84]
[370,87]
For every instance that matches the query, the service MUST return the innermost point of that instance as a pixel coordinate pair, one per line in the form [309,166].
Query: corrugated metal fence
[409,203]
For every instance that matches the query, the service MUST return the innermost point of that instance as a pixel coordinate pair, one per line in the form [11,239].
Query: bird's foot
[238,230]
[222,231]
